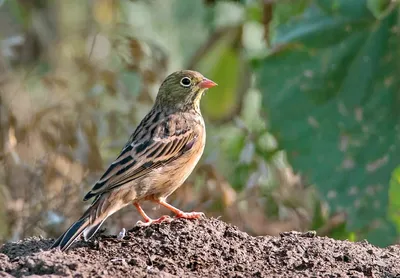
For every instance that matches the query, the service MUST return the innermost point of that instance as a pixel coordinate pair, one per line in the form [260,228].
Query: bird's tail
[87,225]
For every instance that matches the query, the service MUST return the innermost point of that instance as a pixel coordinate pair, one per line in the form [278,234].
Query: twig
[92,47]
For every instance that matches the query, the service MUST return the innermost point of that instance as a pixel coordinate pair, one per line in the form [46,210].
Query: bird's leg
[142,213]
[147,220]
[178,212]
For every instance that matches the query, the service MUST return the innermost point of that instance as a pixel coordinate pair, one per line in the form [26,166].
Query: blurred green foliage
[301,131]
[394,198]
[332,95]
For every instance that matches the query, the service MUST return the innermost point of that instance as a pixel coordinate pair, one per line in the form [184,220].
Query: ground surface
[200,248]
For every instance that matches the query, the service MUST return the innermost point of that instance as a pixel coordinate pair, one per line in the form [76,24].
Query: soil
[200,248]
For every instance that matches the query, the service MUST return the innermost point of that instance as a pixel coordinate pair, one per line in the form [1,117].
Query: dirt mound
[201,248]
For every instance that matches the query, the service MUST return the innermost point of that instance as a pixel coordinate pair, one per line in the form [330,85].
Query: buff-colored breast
[170,177]
[163,181]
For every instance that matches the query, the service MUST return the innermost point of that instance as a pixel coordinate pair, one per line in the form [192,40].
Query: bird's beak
[207,83]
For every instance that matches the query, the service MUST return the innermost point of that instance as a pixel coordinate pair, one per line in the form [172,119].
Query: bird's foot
[164,218]
[190,215]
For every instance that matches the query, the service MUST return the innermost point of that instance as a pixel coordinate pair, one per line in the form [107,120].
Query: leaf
[222,64]
[378,7]
[286,10]
[332,94]
[283,11]
[394,198]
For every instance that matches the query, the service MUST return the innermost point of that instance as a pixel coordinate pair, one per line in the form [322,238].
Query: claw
[191,215]
[164,218]
[178,212]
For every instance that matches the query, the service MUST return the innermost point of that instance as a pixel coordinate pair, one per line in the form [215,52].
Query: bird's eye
[186,82]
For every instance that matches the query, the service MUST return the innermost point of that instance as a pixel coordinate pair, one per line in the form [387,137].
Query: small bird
[159,156]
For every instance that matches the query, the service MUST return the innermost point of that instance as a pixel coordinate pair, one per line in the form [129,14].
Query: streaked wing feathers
[142,156]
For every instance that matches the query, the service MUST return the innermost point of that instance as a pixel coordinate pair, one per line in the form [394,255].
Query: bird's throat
[196,101]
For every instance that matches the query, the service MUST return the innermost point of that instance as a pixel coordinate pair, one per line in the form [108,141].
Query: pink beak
[207,83]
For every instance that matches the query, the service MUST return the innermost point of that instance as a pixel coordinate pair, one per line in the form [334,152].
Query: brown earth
[200,248]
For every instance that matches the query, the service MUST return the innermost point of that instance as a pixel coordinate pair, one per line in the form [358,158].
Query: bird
[158,157]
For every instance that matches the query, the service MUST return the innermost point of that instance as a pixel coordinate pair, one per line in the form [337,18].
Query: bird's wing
[142,156]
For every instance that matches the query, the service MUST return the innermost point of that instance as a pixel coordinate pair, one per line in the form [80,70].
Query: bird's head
[182,90]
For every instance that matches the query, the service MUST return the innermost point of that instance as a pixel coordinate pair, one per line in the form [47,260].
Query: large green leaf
[222,63]
[332,93]
[394,198]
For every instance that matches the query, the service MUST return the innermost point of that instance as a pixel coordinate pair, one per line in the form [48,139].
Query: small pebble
[121,234]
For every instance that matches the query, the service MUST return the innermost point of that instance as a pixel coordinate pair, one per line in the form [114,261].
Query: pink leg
[147,220]
[178,212]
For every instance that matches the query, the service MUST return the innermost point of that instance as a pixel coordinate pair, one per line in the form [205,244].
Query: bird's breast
[172,175]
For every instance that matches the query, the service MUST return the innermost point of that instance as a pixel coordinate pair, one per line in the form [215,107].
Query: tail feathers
[88,224]
[89,195]
[72,234]
[91,230]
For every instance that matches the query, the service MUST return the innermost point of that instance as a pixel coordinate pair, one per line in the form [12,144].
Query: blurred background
[303,131]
